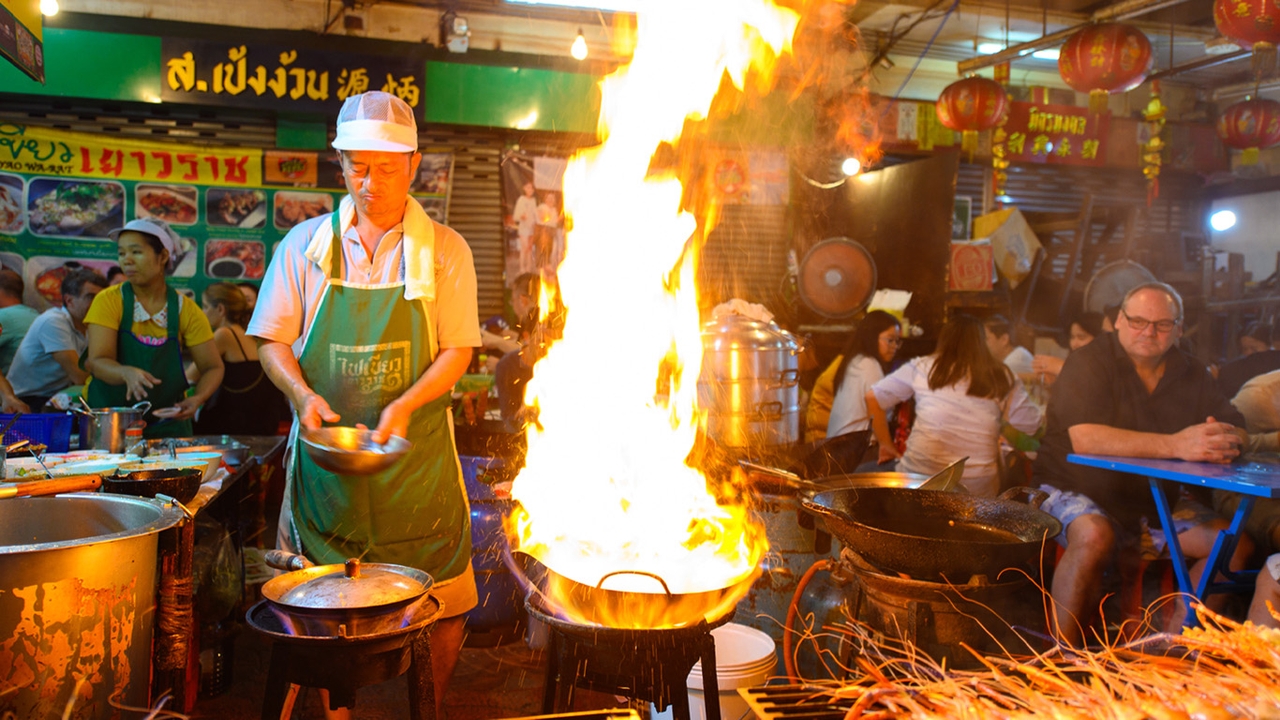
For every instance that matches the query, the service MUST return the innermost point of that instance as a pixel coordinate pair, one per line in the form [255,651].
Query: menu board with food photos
[62,193]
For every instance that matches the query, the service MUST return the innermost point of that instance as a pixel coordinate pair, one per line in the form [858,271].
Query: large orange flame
[607,497]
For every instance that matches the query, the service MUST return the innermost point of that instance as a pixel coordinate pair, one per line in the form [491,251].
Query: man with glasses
[1131,393]
[50,358]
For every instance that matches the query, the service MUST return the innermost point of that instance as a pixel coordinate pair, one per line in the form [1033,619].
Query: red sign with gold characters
[1056,134]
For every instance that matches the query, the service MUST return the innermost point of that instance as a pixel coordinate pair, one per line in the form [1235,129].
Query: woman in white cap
[142,359]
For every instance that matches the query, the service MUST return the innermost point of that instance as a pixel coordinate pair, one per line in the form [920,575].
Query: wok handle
[56,486]
[665,589]
[283,560]
[1035,496]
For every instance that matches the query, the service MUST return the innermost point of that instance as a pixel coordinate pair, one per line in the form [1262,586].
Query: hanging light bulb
[850,166]
[579,48]
[49,7]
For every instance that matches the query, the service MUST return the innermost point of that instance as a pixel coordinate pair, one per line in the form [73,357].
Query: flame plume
[606,486]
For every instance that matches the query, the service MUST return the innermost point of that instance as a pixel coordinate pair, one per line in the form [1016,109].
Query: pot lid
[743,333]
[354,586]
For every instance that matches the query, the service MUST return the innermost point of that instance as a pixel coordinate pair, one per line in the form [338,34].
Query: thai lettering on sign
[1054,134]
[198,71]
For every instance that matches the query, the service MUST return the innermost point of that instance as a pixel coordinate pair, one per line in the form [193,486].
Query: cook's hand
[315,411]
[394,420]
[137,381]
[11,404]
[187,407]
[887,453]
[1210,441]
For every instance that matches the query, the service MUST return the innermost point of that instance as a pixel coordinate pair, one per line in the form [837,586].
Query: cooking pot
[103,428]
[647,604]
[750,382]
[929,534]
[348,600]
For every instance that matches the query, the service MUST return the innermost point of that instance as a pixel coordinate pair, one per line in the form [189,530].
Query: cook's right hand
[137,381]
[315,410]
[1210,441]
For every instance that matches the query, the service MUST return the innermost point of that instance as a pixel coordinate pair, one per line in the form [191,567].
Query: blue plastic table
[1211,475]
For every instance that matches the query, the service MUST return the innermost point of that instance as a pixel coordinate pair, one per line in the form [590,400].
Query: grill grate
[610,714]
[795,702]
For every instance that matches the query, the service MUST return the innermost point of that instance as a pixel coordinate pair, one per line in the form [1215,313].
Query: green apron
[163,361]
[366,346]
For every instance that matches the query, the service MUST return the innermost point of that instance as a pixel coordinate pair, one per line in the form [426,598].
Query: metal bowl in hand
[352,451]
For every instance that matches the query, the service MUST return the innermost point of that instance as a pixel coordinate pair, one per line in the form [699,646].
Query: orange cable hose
[789,662]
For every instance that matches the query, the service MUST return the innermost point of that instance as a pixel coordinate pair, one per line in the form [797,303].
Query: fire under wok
[927,534]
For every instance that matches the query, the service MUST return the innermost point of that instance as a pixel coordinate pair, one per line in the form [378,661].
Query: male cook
[368,316]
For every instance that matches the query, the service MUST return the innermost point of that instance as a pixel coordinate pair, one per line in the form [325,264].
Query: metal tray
[233,451]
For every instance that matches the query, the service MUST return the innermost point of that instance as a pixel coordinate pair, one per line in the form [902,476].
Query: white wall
[1256,234]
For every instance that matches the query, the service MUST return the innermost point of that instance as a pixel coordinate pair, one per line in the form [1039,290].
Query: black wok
[928,534]
[182,484]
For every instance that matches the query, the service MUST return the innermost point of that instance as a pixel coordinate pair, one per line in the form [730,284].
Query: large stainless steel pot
[103,428]
[750,382]
[348,600]
[77,601]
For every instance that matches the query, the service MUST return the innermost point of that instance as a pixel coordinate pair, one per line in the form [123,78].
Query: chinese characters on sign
[281,78]
[1059,134]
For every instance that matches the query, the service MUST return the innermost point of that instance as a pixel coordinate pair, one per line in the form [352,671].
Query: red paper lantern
[1106,58]
[1250,125]
[970,106]
[1251,24]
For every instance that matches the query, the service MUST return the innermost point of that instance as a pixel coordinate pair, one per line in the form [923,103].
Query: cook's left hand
[393,421]
[188,407]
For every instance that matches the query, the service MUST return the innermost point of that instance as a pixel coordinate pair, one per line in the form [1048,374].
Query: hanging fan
[1109,285]
[837,278]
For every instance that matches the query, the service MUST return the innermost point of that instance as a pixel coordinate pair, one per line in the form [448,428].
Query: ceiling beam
[1201,64]
[1120,11]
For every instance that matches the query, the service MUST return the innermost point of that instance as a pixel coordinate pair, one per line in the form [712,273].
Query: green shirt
[15,319]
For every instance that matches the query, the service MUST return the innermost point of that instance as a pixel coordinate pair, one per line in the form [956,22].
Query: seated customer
[14,316]
[1132,393]
[865,360]
[1259,402]
[247,403]
[9,403]
[49,358]
[998,332]
[1257,358]
[963,396]
[1081,332]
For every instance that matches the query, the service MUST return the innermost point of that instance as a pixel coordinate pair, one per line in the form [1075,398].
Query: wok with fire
[627,599]
[926,533]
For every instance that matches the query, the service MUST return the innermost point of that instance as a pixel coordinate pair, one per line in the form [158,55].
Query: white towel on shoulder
[418,245]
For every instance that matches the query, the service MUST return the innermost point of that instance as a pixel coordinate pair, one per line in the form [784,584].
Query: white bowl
[93,467]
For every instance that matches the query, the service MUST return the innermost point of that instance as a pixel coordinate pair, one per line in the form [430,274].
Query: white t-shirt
[1258,401]
[1020,361]
[950,425]
[849,408]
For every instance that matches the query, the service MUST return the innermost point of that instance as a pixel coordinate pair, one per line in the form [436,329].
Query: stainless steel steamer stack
[750,383]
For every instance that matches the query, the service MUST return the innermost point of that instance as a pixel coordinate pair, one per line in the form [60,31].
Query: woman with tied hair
[137,331]
[963,395]
[864,362]
[247,403]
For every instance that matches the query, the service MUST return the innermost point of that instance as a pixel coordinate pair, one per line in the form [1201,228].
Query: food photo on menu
[235,259]
[10,204]
[43,275]
[231,207]
[294,207]
[174,204]
[74,208]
